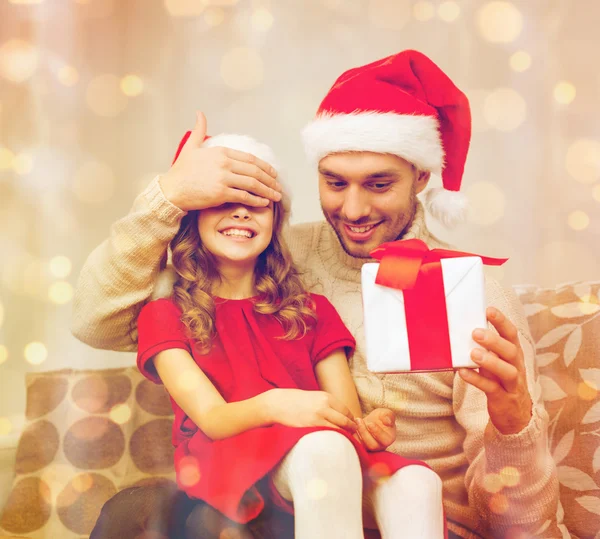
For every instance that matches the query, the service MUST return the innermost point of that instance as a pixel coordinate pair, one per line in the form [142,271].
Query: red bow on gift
[410,266]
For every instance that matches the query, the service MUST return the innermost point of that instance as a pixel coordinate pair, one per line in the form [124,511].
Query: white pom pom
[163,286]
[448,207]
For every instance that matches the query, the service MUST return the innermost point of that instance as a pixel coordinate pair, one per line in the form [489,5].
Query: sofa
[90,434]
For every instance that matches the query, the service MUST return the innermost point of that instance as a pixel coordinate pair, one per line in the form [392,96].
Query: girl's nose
[241,212]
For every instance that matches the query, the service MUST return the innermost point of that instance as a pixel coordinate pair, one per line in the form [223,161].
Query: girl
[264,402]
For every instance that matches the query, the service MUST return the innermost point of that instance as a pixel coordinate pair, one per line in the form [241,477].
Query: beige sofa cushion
[565,324]
[88,435]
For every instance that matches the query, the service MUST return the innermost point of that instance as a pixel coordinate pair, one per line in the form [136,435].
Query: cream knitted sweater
[440,419]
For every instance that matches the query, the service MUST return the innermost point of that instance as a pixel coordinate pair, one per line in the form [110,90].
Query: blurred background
[95,95]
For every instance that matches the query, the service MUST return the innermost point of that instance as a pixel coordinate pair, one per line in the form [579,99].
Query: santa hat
[163,287]
[403,105]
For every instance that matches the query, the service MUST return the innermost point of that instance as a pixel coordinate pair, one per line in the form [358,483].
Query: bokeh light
[214,16]
[5,426]
[492,482]
[6,158]
[185,8]
[262,19]
[564,92]
[578,220]
[589,304]
[60,266]
[94,183]
[486,203]
[583,160]
[504,109]
[83,482]
[316,488]
[587,390]
[510,476]
[60,292]
[499,22]
[448,11]
[520,61]
[68,75]
[596,193]
[188,471]
[242,69]
[23,164]
[132,85]
[423,10]
[389,15]
[18,60]
[3,354]
[104,96]
[499,504]
[36,353]
[120,414]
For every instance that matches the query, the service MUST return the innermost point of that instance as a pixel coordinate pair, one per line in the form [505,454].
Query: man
[379,134]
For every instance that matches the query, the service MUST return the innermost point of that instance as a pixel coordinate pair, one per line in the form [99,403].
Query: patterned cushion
[89,434]
[565,324]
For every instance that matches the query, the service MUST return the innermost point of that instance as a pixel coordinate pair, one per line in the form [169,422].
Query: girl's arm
[333,375]
[377,431]
[201,401]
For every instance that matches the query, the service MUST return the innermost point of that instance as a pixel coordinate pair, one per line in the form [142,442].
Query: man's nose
[356,205]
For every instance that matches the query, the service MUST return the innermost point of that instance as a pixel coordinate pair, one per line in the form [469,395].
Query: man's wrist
[167,186]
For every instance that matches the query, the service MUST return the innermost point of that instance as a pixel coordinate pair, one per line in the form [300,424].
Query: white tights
[322,477]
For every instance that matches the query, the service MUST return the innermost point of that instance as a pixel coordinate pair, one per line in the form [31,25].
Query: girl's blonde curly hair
[277,281]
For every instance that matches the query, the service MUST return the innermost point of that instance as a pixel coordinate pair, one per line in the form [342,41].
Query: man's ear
[421,180]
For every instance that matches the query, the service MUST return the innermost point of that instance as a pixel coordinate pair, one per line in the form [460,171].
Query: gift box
[421,307]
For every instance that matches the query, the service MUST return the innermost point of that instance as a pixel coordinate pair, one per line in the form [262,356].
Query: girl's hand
[377,430]
[299,408]
[208,177]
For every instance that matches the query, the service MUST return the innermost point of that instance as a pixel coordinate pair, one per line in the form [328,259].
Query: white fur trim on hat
[247,144]
[412,137]
[163,286]
[243,143]
[448,207]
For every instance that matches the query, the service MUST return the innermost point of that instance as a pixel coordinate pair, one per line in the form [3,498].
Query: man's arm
[511,478]
[119,275]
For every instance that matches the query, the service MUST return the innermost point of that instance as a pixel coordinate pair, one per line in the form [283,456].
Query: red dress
[247,358]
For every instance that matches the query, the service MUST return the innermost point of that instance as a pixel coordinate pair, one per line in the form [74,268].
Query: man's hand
[377,430]
[208,177]
[501,374]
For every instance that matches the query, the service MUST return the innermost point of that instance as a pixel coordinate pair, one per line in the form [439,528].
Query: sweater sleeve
[119,275]
[511,479]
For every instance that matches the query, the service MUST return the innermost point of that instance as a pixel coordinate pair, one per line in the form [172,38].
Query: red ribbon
[410,266]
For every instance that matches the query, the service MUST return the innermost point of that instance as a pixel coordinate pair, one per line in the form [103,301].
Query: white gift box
[386,334]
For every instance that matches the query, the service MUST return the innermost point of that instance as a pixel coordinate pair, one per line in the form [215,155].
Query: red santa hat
[403,105]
